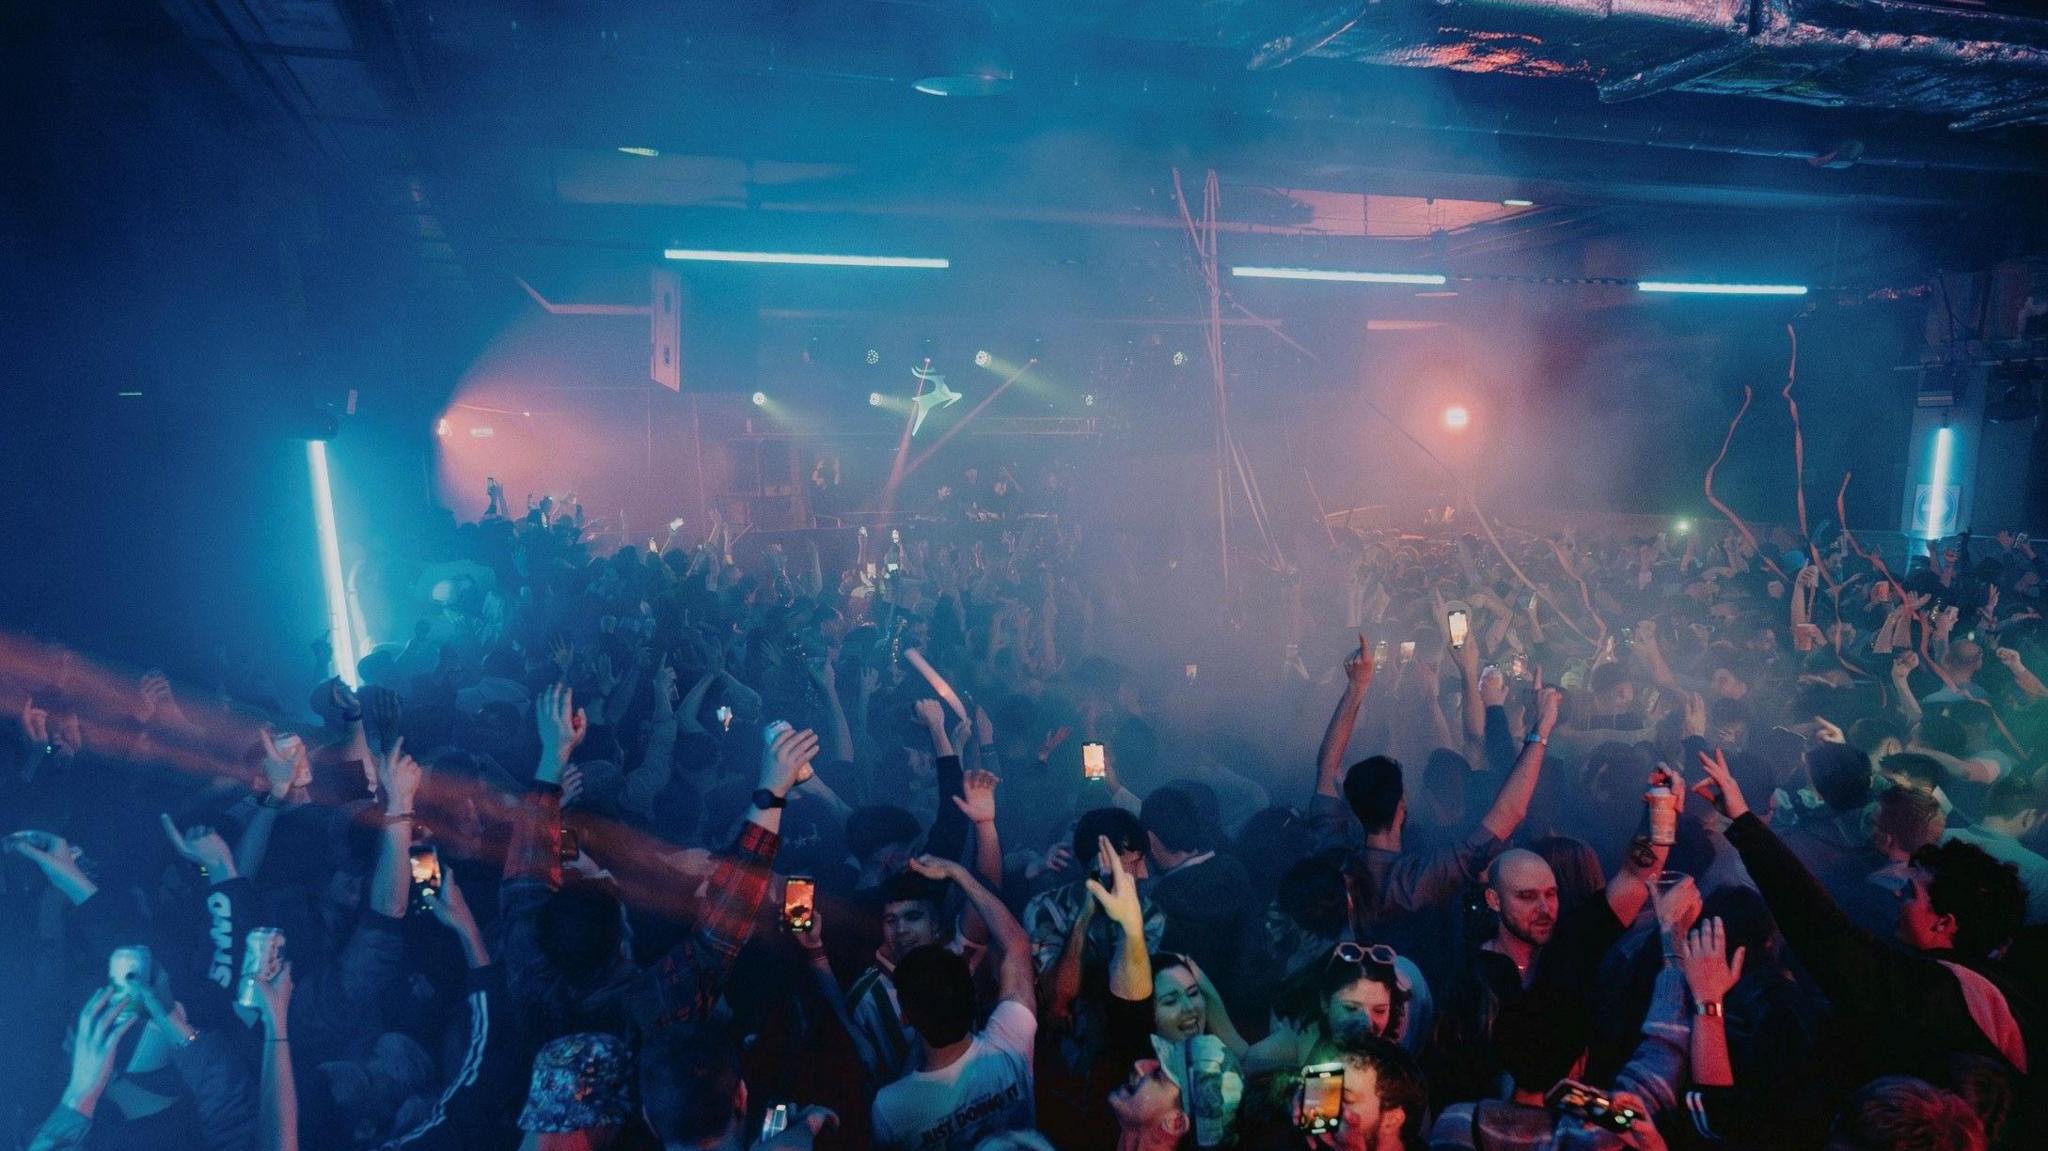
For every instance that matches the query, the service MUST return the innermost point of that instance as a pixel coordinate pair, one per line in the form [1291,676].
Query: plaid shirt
[1050,916]
[678,988]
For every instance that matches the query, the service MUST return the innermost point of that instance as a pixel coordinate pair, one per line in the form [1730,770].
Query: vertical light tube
[1937,479]
[339,631]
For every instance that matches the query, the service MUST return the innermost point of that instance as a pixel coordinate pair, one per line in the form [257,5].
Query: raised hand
[274,1001]
[664,689]
[1905,664]
[1493,687]
[572,786]
[2009,657]
[1548,701]
[1827,732]
[933,867]
[1703,957]
[1696,714]
[398,777]
[284,767]
[202,847]
[1719,787]
[344,698]
[101,1027]
[783,761]
[1120,899]
[931,713]
[562,654]
[56,859]
[561,724]
[1358,666]
[35,724]
[607,680]
[978,803]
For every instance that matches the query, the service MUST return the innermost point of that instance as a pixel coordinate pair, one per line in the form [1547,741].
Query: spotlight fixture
[808,259]
[873,357]
[1252,272]
[1676,287]
[1457,418]
[982,359]
[1683,526]
[874,399]
[760,399]
[528,415]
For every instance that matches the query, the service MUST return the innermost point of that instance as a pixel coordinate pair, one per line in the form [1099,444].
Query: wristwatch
[767,800]
[1708,1008]
[1532,737]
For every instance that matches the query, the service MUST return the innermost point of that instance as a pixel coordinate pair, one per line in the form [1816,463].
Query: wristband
[270,801]
[1532,737]
[1708,1008]
[397,817]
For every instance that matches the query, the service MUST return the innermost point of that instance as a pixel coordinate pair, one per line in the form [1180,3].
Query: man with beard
[1522,890]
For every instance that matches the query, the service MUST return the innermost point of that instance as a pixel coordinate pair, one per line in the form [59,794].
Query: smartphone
[1575,1099]
[1518,667]
[724,718]
[871,571]
[572,844]
[1093,764]
[1322,1098]
[1408,649]
[288,745]
[1379,653]
[426,869]
[798,897]
[774,1121]
[1884,591]
[1192,671]
[1459,623]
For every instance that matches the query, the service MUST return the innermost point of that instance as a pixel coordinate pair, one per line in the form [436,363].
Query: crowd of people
[1608,842]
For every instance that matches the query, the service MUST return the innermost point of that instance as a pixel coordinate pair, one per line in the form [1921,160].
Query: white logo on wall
[1935,509]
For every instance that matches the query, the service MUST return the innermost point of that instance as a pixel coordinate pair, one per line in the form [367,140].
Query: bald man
[1522,890]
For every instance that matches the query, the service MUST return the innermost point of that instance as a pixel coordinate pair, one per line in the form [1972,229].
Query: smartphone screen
[1408,649]
[1379,652]
[572,844]
[1093,765]
[426,866]
[1518,667]
[1193,671]
[797,899]
[1322,1097]
[1459,624]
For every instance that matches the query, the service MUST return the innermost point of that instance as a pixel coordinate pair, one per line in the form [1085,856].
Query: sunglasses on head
[1358,954]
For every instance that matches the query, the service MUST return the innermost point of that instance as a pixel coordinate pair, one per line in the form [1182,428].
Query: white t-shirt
[983,1092]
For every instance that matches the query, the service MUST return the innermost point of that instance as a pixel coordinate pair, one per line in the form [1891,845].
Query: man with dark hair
[1903,1010]
[913,917]
[2013,811]
[1833,839]
[1365,809]
[964,1085]
[1385,1096]
[1205,897]
[1052,916]
[692,1095]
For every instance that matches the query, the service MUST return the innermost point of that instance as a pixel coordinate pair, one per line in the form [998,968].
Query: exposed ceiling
[1836,143]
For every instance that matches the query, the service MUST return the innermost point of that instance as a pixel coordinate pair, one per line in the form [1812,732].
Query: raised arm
[1130,969]
[1903,666]
[1511,806]
[1358,670]
[977,802]
[826,676]
[1711,973]
[277,1108]
[1014,977]
[398,778]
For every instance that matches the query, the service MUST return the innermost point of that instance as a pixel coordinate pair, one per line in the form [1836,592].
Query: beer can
[261,959]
